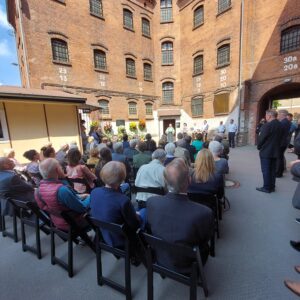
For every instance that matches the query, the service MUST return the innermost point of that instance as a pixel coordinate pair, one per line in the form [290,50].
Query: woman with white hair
[221,164]
[170,150]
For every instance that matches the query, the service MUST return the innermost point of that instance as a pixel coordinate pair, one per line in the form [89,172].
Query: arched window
[149,109]
[100,60]
[198,64]
[127,19]
[167,92]
[147,71]
[198,16]
[290,39]
[96,8]
[60,50]
[223,55]
[166,11]
[132,108]
[197,106]
[167,53]
[130,67]
[104,107]
[145,27]
[223,5]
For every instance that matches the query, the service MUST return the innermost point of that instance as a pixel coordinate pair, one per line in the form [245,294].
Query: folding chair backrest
[111,227]
[209,200]
[39,213]
[82,181]
[151,190]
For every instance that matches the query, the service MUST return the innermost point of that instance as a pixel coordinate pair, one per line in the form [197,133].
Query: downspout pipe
[240,85]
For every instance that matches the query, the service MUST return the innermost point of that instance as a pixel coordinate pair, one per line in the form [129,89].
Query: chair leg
[52,246]
[15,228]
[38,239]
[127,274]
[3,226]
[98,260]
[202,276]
[193,283]
[23,236]
[70,254]
[1,223]
[149,275]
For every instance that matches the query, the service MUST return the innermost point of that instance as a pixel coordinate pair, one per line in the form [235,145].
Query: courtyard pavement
[253,255]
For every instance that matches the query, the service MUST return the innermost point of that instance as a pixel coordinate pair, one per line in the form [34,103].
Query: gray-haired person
[170,150]
[150,176]
[174,218]
[221,164]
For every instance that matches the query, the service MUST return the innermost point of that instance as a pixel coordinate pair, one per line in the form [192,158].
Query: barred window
[127,19]
[223,5]
[100,59]
[96,8]
[168,92]
[221,104]
[290,39]
[198,64]
[197,106]
[60,50]
[167,53]
[147,71]
[130,67]
[166,10]
[145,27]
[132,108]
[149,109]
[104,108]
[223,55]
[198,16]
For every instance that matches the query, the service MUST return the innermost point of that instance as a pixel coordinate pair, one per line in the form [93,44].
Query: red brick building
[164,61]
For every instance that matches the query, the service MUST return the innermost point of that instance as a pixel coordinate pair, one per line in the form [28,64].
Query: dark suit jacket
[269,140]
[12,186]
[176,219]
[285,139]
[295,170]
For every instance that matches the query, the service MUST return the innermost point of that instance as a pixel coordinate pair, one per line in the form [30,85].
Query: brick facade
[256,64]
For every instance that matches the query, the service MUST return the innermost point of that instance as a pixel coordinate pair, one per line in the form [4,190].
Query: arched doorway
[287,96]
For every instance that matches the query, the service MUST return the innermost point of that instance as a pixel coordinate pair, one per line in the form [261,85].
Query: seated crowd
[98,182]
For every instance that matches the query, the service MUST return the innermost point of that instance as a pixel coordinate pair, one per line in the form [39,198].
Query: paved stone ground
[253,255]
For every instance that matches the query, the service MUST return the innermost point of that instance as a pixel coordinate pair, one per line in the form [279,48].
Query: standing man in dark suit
[285,140]
[268,145]
[176,219]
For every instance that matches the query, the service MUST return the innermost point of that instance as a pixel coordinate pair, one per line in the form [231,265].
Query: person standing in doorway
[269,150]
[170,132]
[284,142]
[232,129]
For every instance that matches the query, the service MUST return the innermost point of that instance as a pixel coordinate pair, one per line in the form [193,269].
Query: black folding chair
[28,218]
[101,245]
[210,200]
[151,190]
[70,236]
[8,210]
[193,253]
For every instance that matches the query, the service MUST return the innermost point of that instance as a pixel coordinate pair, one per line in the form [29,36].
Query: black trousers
[231,139]
[268,168]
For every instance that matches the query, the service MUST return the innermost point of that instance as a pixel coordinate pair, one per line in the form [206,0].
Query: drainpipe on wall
[18,5]
[240,94]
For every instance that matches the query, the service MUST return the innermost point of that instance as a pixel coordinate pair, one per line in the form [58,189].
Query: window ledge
[149,80]
[196,27]
[101,70]
[133,117]
[222,114]
[61,1]
[166,104]
[97,16]
[223,11]
[128,28]
[105,117]
[149,117]
[166,22]
[167,65]
[57,62]
[4,141]
[197,116]
[289,51]
[222,66]
[131,77]
[198,74]
[146,36]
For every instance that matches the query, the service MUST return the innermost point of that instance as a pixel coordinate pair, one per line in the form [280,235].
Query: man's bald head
[50,168]
[177,176]
[6,164]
